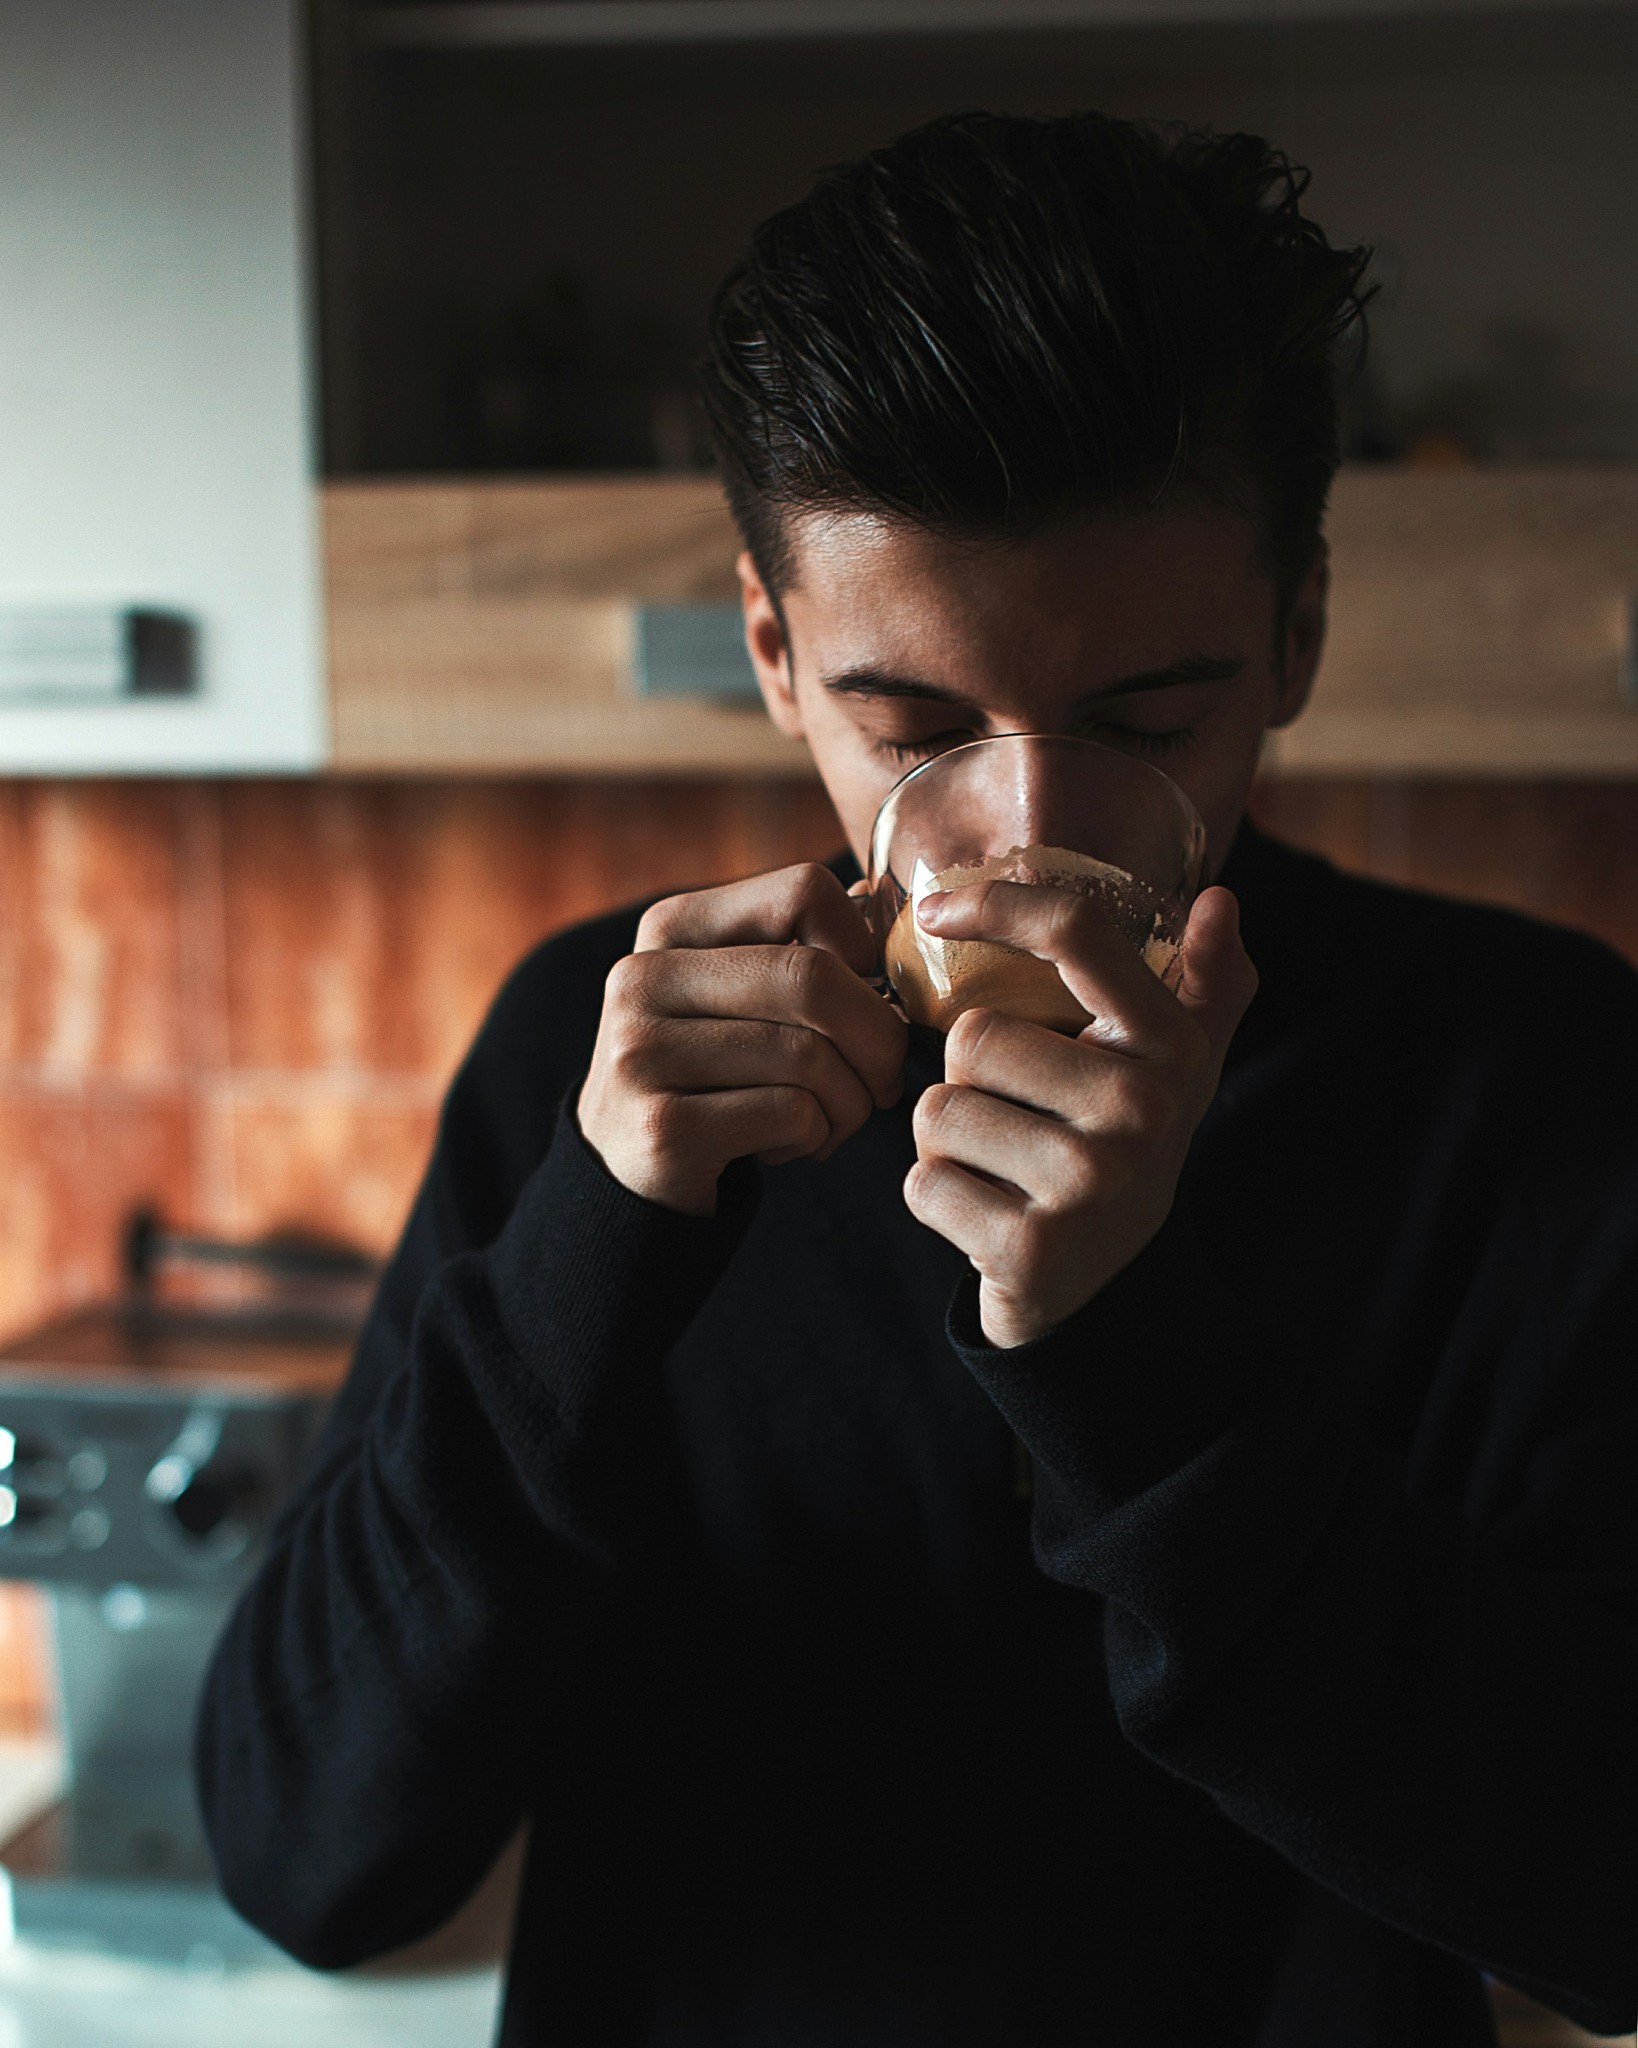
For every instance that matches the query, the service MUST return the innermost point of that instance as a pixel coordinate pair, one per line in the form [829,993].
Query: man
[1018,1538]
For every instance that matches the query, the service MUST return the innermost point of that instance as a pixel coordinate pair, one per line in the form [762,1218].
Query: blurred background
[366,613]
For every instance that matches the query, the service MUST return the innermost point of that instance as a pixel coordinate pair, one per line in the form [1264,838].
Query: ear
[1304,640]
[769,650]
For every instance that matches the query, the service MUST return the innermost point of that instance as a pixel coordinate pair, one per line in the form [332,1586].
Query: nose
[1038,791]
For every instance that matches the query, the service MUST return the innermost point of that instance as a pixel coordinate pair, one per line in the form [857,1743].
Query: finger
[1098,964]
[1026,1063]
[1218,980]
[803,905]
[1041,1157]
[799,985]
[772,1124]
[976,1216]
[698,1054]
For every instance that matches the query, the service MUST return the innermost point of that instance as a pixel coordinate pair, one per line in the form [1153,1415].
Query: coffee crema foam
[937,979]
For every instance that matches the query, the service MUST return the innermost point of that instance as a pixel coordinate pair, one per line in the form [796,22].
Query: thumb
[1218,980]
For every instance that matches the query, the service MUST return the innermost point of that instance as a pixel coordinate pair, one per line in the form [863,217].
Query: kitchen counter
[58,1999]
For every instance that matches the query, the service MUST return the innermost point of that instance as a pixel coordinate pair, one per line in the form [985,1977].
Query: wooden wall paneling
[1327,814]
[1566,851]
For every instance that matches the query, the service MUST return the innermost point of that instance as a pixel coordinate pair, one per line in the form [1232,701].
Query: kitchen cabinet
[1481,624]
[155,437]
[490,627]
[525,205]
[524,208]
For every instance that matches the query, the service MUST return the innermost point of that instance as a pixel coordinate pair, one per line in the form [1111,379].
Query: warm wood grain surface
[1478,620]
[1478,623]
[488,626]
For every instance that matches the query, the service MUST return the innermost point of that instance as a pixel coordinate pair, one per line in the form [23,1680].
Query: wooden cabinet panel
[585,540]
[1478,623]
[489,626]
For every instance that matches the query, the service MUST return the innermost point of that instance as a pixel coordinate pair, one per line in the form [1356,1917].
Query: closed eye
[906,751]
[1172,742]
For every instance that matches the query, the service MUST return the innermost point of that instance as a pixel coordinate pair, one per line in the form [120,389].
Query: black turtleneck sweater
[1285,1685]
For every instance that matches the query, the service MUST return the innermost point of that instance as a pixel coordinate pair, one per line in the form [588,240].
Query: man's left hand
[1052,1161]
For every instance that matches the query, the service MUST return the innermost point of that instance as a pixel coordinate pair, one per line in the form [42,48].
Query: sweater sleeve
[445,1581]
[1422,1702]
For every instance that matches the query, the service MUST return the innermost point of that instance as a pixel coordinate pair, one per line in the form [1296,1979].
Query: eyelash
[1158,742]
[905,751]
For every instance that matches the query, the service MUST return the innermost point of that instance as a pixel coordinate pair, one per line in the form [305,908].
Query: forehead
[1097,599]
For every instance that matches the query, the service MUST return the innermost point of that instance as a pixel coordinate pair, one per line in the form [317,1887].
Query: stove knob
[204,1507]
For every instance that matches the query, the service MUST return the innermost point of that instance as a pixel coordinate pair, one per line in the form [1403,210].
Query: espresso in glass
[1041,810]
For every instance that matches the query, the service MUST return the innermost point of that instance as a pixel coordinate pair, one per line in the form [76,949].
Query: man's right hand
[742,1026]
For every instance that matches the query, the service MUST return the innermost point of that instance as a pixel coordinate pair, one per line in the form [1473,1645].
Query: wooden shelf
[487,628]
[1478,624]
[1479,619]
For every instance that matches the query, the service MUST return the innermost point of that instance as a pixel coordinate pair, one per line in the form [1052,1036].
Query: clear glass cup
[1036,808]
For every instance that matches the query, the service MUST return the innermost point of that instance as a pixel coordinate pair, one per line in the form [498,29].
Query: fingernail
[934,901]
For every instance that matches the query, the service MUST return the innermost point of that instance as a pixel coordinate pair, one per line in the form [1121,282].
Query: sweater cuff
[1137,1384]
[587,1271]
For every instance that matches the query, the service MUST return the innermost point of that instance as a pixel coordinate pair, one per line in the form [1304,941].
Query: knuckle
[1021,1249]
[802,1115]
[921,1186]
[967,1035]
[803,1053]
[1081,1177]
[800,887]
[634,1049]
[934,1112]
[627,981]
[810,878]
[660,1120]
[804,970]
[657,924]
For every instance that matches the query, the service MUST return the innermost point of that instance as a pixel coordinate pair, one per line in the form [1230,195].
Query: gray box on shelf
[693,650]
[94,654]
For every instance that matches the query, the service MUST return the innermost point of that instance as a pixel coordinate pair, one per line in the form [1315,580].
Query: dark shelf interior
[518,246]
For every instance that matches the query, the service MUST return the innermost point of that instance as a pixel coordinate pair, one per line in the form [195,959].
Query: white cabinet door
[156,410]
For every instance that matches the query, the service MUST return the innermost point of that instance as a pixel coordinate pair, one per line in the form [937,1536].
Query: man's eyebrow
[878,682]
[1191,668]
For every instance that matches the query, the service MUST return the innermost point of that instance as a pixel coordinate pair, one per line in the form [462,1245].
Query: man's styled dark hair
[998,323]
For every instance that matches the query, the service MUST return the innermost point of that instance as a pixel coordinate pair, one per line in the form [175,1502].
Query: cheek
[854,776]
[1218,778]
